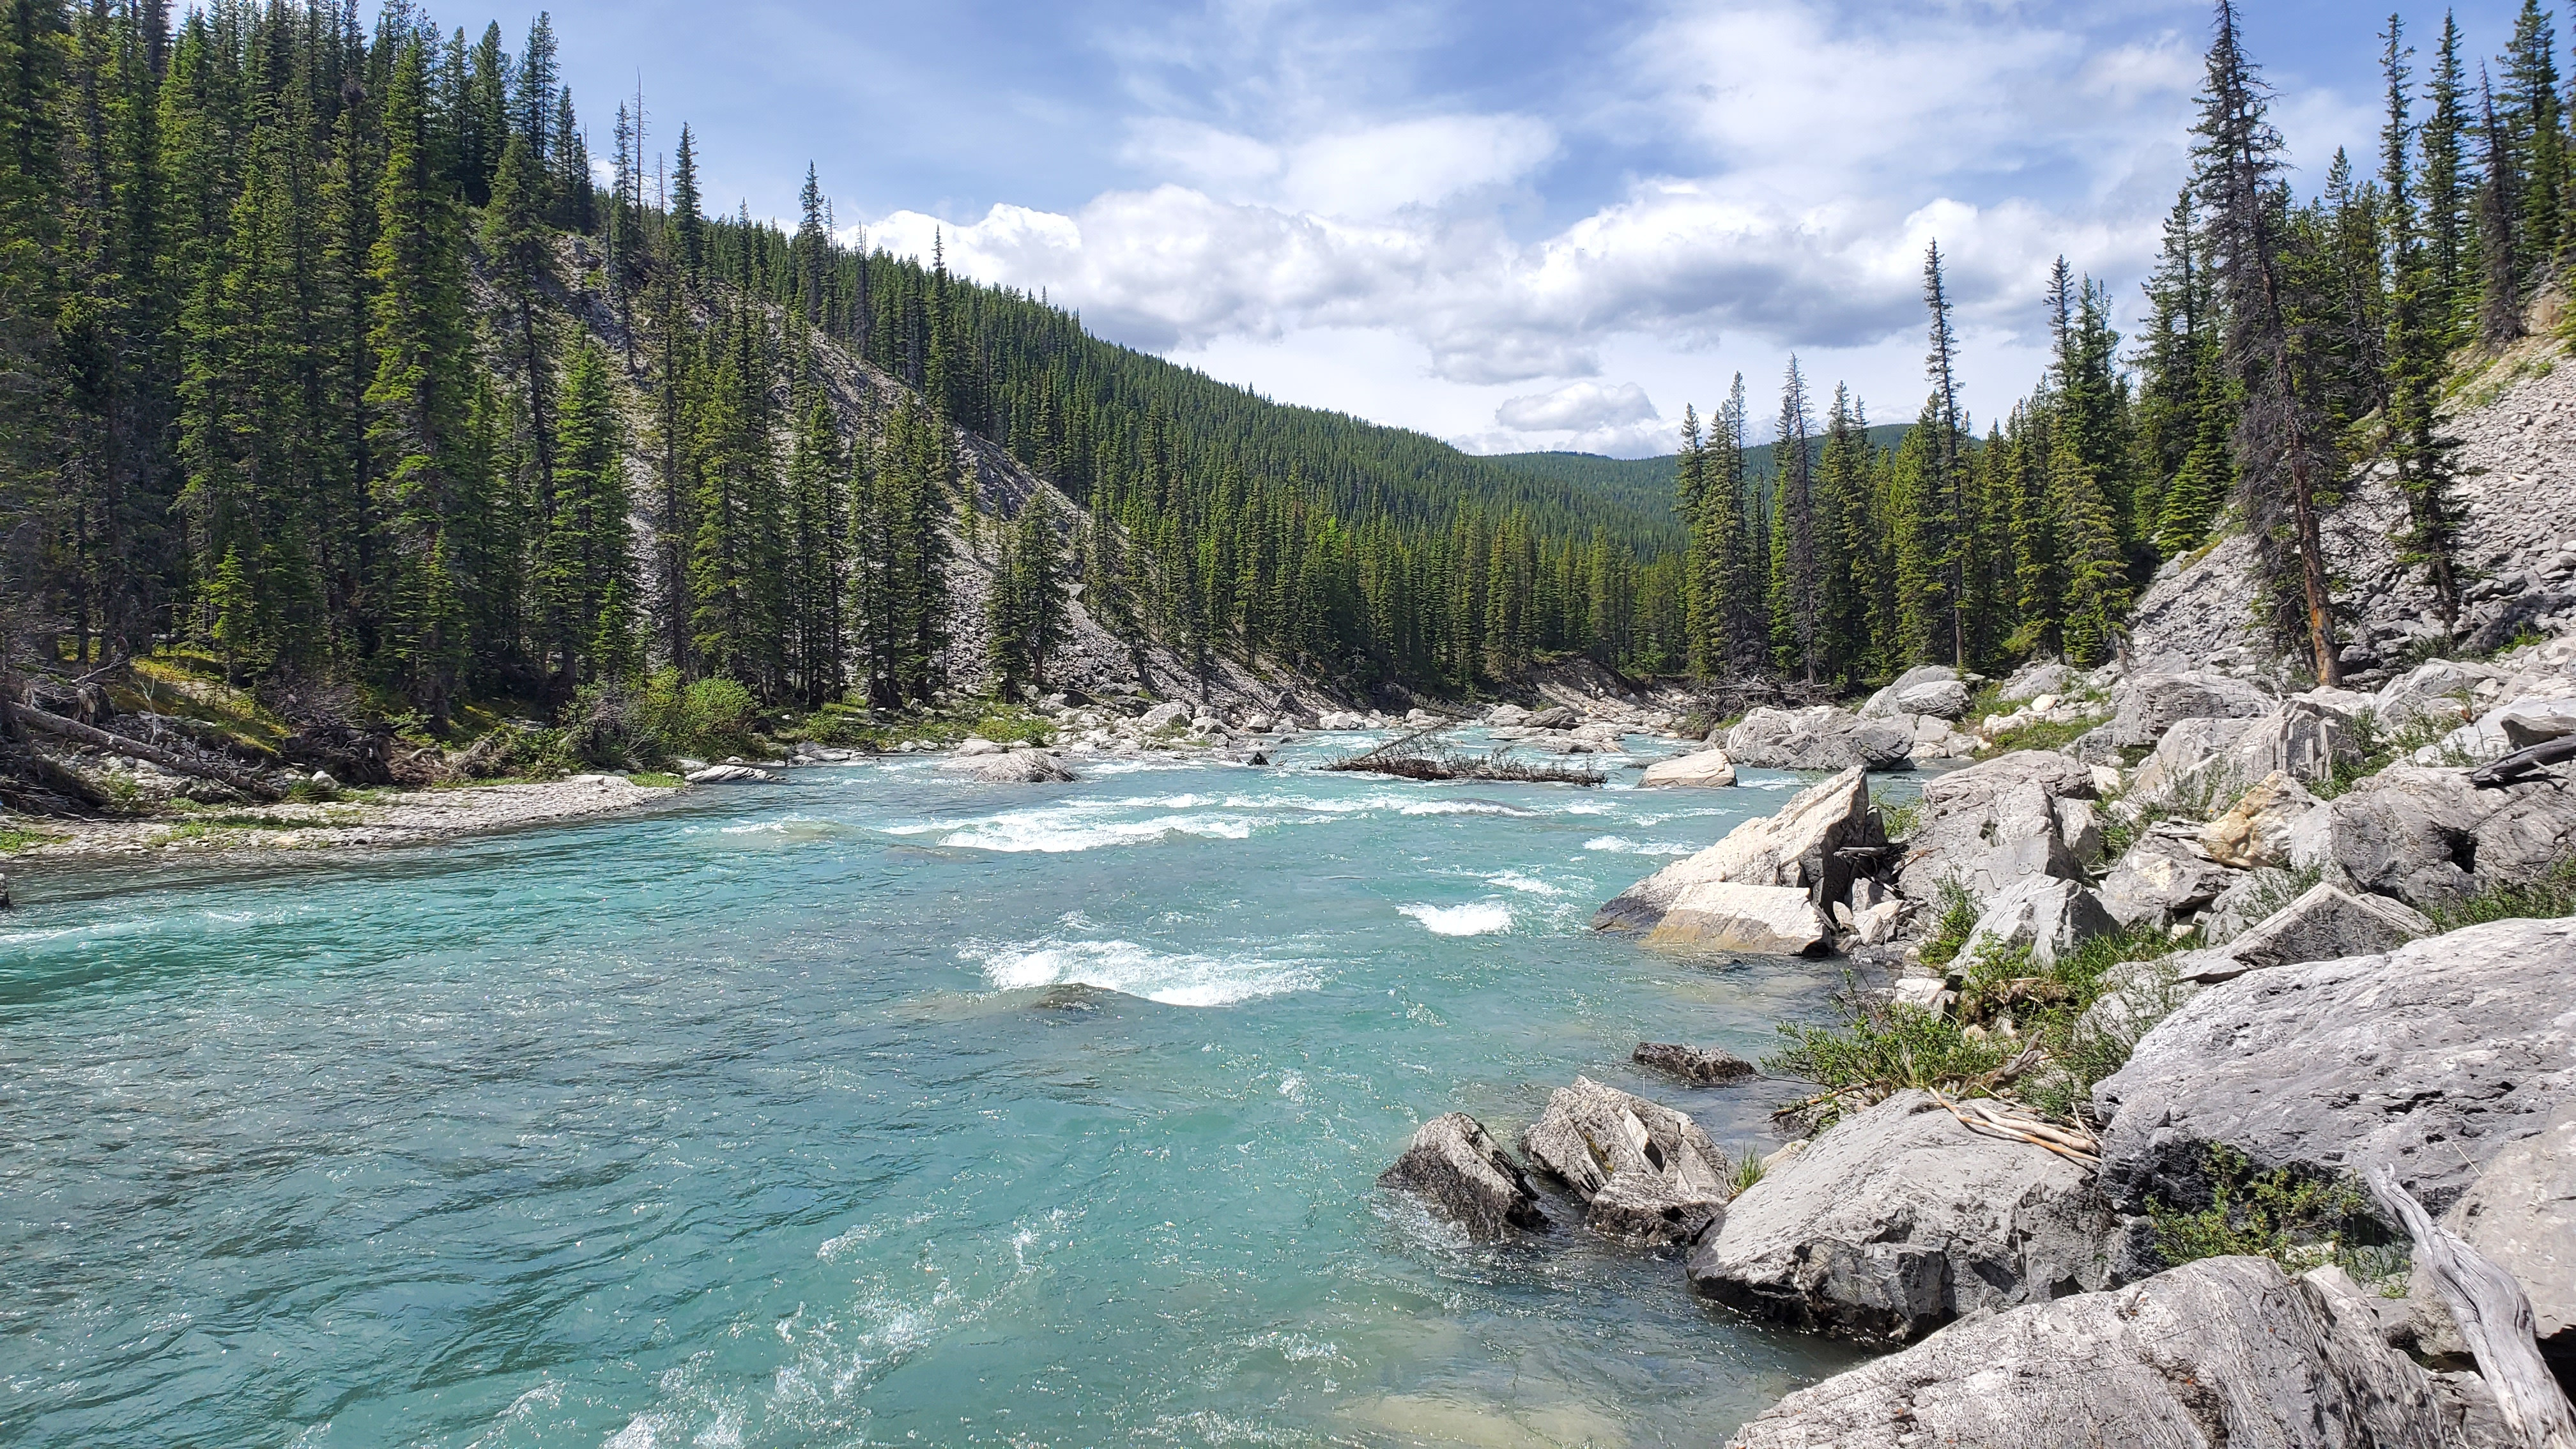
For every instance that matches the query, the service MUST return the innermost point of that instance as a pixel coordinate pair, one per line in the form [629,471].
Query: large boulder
[2033,680]
[2440,689]
[2145,705]
[1647,1173]
[2225,1351]
[1461,1173]
[1943,698]
[1724,916]
[2162,879]
[2049,918]
[1820,738]
[1994,824]
[1708,769]
[2431,839]
[1899,1219]
[1926,682]
[2184,765]
[2255,831]
[2521,1213]
[1799,848]
[2431,1058]
[2323,923]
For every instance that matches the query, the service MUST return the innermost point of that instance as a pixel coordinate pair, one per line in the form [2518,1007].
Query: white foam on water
[1484,918]
[1174,978]
[1622,845]
[1464,807]
[1512,880]
[1091,825]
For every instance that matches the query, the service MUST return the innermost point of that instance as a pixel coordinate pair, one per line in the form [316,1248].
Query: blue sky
[1509,224]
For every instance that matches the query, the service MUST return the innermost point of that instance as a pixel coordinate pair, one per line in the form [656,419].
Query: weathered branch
[2494,1315]
[54,724]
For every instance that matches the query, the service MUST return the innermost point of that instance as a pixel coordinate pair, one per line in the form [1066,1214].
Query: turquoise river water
[868,1108]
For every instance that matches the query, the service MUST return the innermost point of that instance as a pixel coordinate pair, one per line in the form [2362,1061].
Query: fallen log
[71,729]
[2494,1316]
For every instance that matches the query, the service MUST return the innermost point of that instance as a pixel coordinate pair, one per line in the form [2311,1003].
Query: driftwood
[1982,1116]
[54,724]
[2494,1316]
[2524,766]
[1420,755]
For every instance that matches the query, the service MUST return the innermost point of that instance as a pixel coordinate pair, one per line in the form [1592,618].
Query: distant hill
[1645,485]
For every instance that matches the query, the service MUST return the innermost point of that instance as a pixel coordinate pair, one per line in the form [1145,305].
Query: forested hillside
[328,359]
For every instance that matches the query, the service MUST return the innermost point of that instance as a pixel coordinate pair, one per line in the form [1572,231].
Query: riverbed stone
[1461,1173]
[1646,1173]
[1899,1219]
[1800,847]
[2431,1058]
[1942,698]
[1707,769]
[728,775]
[1699,1066]
[2224,1351]
[1013,767]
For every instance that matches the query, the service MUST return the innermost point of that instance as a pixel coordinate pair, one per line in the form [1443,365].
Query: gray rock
[2144,706]
[2049,917]
[1017,767]
[2429,838]
[2225,1351]
[1898,1220]
[1558,717]
[1886,703]
[2079,824]
[2431,1058]
[1988,842]
[2531,721]
[727,775]
[1647,1172]
[2521,1213]
[1461,1173]
[2255,831]
[2161,880]
[1799,848]
[1169,712]
[1820,738]
[2438,689]
[1700,1066]
[2033,680]
[2323,923]
[1725,916]
[1942,698]
[2180,767]
[1707,769]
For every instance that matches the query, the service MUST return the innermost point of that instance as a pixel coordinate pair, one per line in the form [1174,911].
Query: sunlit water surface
[872,1107]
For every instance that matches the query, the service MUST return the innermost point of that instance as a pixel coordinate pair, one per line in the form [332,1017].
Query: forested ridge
[2290,344]
[328,356]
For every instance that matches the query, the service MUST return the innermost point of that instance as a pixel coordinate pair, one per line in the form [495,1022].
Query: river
[870,1107]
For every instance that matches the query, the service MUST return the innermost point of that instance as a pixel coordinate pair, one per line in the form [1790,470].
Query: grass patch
[13,839]
[1883,1048]
[2041,734]
[1900,818]
[2545,899]
[853,727]
[2297,1222]
[655,780]
[1747,1170]
[1954,915]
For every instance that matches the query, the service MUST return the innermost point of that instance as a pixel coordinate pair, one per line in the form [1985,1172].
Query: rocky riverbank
[2187,1015]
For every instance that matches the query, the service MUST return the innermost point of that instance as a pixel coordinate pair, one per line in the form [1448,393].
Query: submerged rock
[1898,1220]
[2225,1351]
[1647,1173]
[1016,767]
[1461,1173]
[1701,1066]
[2432,1058]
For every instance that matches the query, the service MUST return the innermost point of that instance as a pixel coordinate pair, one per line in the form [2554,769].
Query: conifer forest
[328,354]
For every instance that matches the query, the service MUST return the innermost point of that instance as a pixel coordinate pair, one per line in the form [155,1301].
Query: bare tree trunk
[2494,1315]
[54,724]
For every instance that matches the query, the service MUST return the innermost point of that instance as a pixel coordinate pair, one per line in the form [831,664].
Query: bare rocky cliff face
[2516,424]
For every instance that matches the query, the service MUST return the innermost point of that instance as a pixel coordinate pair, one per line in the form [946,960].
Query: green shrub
[13,838]
[1747,1170]
[1899,818]
[2551,896]
[1883,1048]
[1955,914]
[310,791]
[2298,1222]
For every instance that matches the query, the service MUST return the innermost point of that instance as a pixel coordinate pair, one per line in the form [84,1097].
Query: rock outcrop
[1820,738]
[2255,831]
[2163,879]
[1647,1173]
[2431,839]
[2521,1213]
[1724,916]
[2047,917]
[1708,769]
[1799,849]
[1011,767]
[2432,1058]
[2146,704]
[1461,1173]
[2323,923]
[1898,1220]
[2225,1351]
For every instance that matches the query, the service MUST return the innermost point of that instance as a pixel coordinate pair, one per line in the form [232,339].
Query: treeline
[2289,344]
[324,353]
